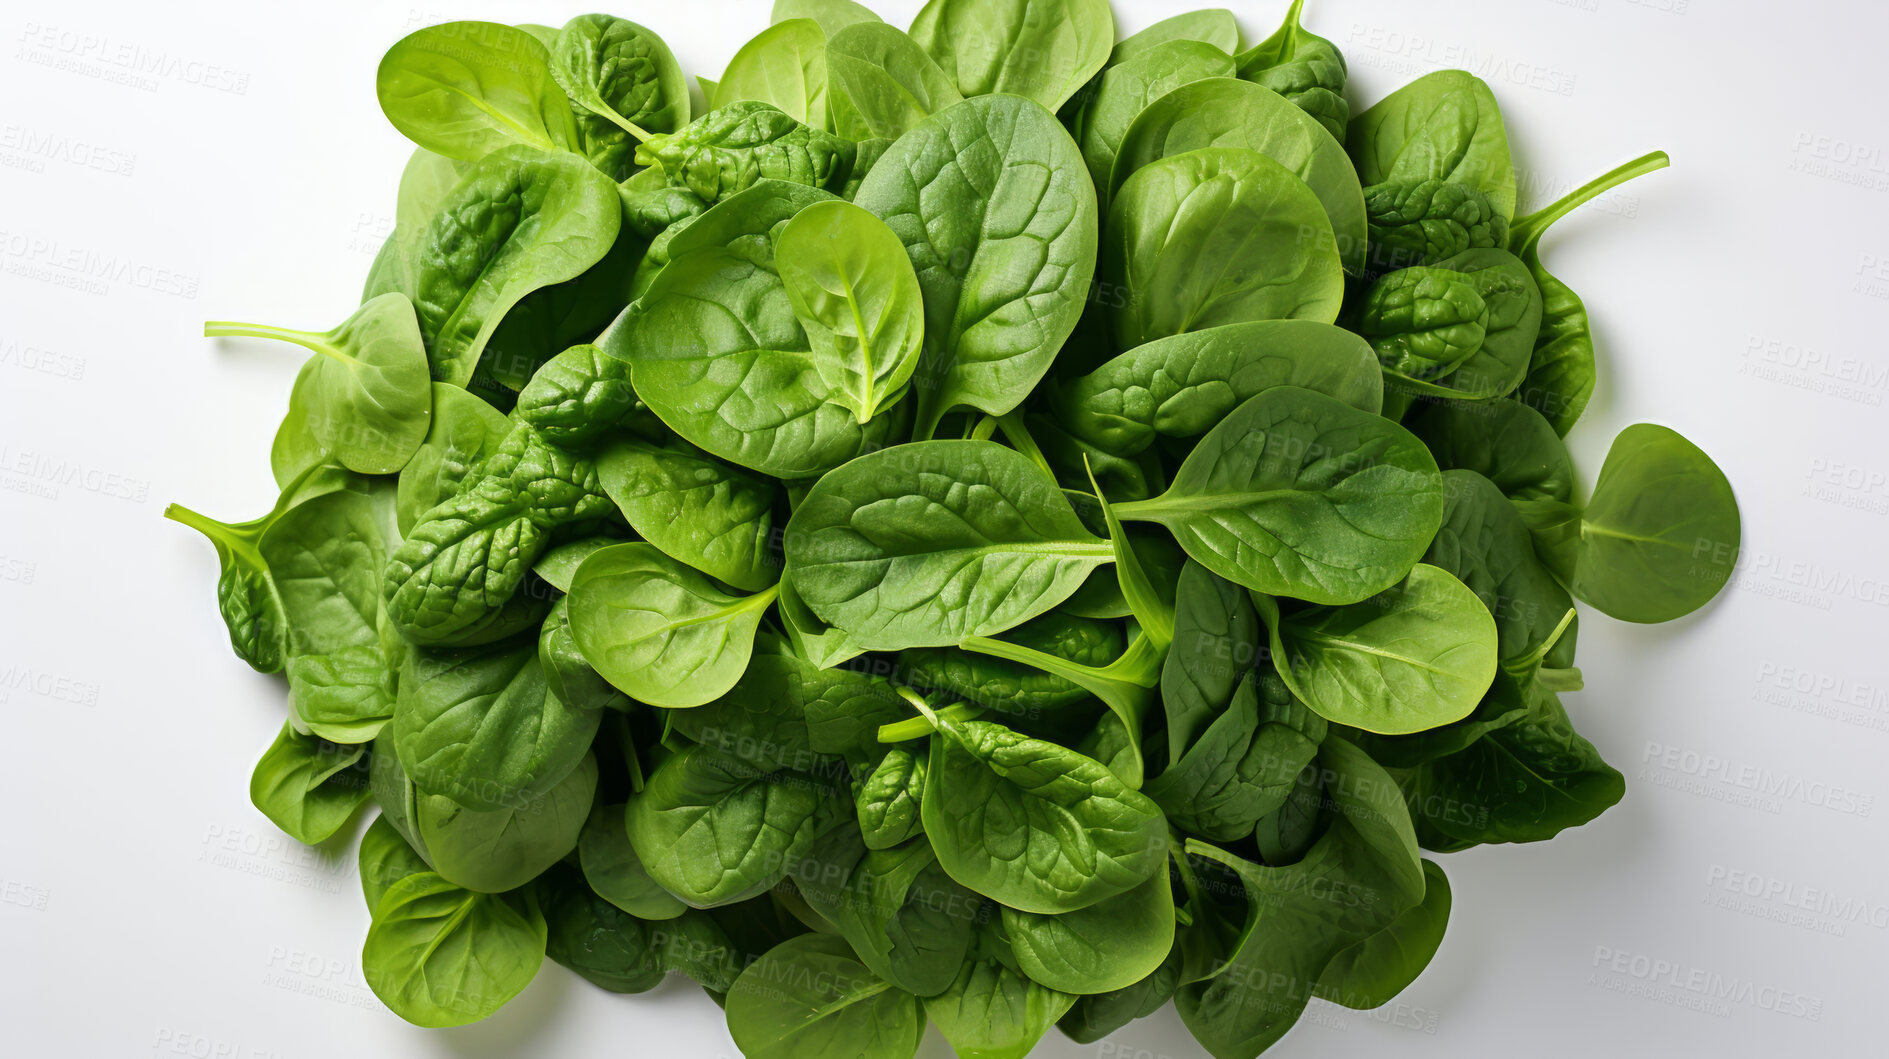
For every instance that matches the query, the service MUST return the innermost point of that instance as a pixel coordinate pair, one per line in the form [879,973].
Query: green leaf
[1044,50]
[923,545]
[308,786]
[811,998]
[1295,494]
[439,955]
[661,631]
[466,89]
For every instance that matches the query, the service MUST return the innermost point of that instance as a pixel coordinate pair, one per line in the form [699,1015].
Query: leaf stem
[1526,231]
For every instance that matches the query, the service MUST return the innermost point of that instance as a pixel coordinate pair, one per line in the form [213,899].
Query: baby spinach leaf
[1220,235]
[1182,385]
[616,873]
[858,299]
[1442,126]
[1013,687]
[1215,26]
[1499,362]
[440,955]
[308,786]
[1217,642]
[908,921]
[463,431]
[734,145]
[717,351]
[785,66]
[246,592]
[1370,973]
[1561,371]
[994,1011]
[1129,85]
[1109,945]
[521,219]
[881,83]
[991,201]
[713,829]
[385,859]
[659,630]
[1415,656]
[696,509]
[467,89]
[1295,494]
[1225,112]
[923,545]
[1043,50]
[1242,767]
[1524,782]
[578,397]
[455,580]
[810,997]
[1659,538]
[888,800]
[424,184]
[503,849]
[832,15]
[993,798]
[623,84]
[1485,544]
[485,727]
[369,400]
[1360,875]
[1304,68]
[607,946]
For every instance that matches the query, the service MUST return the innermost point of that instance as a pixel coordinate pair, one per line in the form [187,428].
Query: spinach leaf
[1109,945]
[923,545]
[486,728]
[610,948]
[1442,126]
[858,299]
[1220,235]
[659,630]
[456,579]
[785,66]
[440,955]
[616,873]
[1215,26]
[1304,68]
[1128,86]
[521,219]
[1043,50]
[832,15]
[578,397]
[1561,371]
[1414,657]
[1012,687]
[623,84]
[369,400]
[810,997]
[907,920]
[1659,538]
[1484,543]
[1295,494]
[467,89]
[737,144]
[1523,782]
[713,829]
[881,83]
[1370,973]
[696,509]
[385,859]
[1508,317]
[718,353]
[1225,112]
[424,184]
[1033,825]
[888,799]
[503,849]
[1181,386]
[463,431]
[994,1011]
[1360,875]
[991,201]
[308,786]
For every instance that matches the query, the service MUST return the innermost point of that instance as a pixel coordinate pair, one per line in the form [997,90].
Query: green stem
[1018,434]
[1150,610]
[920,727]
[1526,231]
[313,340]
[1560,679]
[240,538]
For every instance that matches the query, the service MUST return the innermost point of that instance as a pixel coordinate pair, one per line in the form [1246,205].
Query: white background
[162,165]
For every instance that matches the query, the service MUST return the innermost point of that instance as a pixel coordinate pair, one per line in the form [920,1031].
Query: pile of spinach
[988,524]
